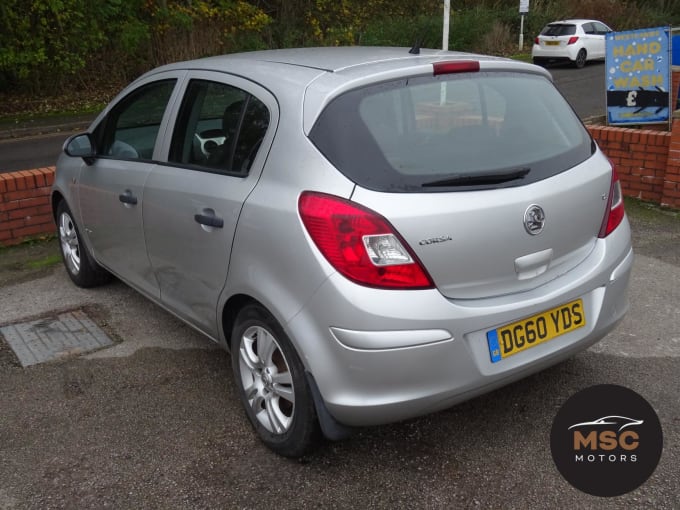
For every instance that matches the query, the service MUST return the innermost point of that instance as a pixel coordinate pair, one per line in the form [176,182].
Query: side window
[219,127]
[131,128]
[588,28]
[601,29]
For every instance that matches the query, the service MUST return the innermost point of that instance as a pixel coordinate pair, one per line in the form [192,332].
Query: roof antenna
[415,49]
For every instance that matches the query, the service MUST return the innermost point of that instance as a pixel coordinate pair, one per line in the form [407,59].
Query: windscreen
[468,131]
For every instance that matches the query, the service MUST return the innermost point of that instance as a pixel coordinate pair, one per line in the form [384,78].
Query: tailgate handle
[534,264]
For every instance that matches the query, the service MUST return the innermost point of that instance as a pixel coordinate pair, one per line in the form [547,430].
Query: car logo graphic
[534,219]
[621,421]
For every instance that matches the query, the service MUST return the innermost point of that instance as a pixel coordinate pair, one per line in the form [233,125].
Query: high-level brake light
[464,66]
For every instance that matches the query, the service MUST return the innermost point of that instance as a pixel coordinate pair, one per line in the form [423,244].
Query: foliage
[181,31]
[51,46]
[43,39]
[63,44]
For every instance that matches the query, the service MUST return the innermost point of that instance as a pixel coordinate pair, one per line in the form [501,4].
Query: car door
[601,31]
[112,187]
[592,41]
[222,132]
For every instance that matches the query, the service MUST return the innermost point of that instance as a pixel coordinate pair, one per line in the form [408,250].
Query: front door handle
[209,220]
[128,198]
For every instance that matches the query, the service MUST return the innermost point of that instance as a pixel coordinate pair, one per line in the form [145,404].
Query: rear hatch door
[489,176]
[479,244]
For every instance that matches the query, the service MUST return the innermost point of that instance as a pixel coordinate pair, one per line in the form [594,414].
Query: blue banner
[638,76]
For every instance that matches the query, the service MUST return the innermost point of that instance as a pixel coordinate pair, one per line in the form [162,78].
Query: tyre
[271,383]
[538,61]
[581,58]
[80,266]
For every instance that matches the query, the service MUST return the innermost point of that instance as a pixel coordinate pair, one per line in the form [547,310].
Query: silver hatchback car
[373,234]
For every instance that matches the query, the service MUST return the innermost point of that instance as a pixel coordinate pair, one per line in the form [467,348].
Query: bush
[67,44]
[48,46]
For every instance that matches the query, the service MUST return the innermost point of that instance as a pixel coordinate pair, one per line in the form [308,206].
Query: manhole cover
[50,338]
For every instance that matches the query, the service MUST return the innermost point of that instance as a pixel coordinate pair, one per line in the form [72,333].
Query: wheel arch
[329,426]
[56,198]
[579,64]
[230,311]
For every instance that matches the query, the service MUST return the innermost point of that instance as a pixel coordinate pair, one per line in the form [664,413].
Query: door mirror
[80,146]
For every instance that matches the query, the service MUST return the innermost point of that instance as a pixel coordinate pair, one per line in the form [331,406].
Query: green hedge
[47,46]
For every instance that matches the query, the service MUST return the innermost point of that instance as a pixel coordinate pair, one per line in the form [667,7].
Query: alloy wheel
[266,380]
[68,237]
[581,59]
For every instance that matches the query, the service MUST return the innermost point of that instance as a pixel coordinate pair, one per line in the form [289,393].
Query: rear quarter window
[401,136]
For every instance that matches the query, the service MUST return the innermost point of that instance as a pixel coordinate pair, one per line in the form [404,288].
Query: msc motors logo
[606,434]
[606,440]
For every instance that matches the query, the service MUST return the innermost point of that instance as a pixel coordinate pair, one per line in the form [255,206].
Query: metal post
[671,107]
[445,46]
[523,11]
[445,34]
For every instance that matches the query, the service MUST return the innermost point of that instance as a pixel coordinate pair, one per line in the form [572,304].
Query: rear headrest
[231,117]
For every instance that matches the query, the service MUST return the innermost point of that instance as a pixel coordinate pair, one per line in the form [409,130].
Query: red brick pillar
[671,185]
[674,87]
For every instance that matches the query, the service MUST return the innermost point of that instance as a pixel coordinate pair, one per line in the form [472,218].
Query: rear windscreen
[421,133]
[559,29]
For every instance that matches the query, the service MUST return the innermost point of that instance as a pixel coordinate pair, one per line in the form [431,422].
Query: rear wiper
[480,179]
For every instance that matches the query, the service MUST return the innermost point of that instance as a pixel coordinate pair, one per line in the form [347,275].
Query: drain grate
[54,337]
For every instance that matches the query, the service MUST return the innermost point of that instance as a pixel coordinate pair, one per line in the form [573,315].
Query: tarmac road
[31,152]
[584,88]
[154,422]
[37,143]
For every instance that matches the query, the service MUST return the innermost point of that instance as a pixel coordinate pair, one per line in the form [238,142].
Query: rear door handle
[209,220]
[128,198]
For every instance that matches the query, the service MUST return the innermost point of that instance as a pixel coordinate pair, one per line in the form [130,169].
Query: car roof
[330,59]
[318,74]
[575,21]
[258,65]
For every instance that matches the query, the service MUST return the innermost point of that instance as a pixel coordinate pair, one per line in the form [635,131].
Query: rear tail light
[572,40]
[615,211]
[360,244]
[536,40]
[465,66]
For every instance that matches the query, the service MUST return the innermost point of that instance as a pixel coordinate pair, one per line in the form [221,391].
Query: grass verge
[29,260]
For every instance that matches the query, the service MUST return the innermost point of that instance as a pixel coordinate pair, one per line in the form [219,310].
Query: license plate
[521,335]
[552,43]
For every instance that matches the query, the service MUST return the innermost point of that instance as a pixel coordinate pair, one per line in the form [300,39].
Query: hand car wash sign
[638,76]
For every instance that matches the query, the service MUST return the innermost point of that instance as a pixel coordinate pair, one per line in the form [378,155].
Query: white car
[575,40]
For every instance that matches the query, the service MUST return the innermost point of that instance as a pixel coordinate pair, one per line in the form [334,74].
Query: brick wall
[640,157]
[647,161]
[25,209]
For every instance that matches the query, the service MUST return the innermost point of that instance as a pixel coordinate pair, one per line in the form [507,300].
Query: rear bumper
[554,54]
[384,356]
